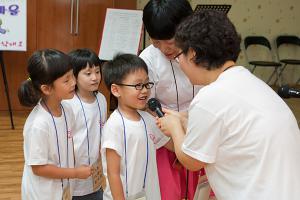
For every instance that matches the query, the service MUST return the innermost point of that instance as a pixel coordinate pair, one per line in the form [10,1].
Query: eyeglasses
[139,86]
[177,56]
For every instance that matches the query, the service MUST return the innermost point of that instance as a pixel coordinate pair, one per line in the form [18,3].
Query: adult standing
[172,88]
[238,127]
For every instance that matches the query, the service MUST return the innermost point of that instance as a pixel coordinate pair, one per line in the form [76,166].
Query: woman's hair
[116,70]
[81,57]
[161,17]
[44,67]
[211,35]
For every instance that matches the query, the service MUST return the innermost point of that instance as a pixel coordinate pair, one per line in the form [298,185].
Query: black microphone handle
[159,112]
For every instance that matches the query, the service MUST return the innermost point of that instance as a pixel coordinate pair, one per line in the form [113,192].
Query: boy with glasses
[130,136]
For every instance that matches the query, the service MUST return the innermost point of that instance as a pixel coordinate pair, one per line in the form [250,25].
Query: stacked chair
[266,57]
[292,43]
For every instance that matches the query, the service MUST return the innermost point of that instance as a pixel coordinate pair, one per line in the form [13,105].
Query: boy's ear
[115,90]
[46,89]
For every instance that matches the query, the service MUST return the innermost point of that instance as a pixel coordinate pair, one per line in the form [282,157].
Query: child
[89,107]
[130,135]
[48,147]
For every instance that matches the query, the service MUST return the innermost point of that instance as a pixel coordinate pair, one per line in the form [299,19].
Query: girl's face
[64,86]
[167,47]
[88,79]
[131,98]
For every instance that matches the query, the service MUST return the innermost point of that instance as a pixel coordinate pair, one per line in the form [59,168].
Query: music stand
[222,8]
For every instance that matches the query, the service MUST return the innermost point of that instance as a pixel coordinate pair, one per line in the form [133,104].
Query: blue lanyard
[147,155]
[57,136]
[87,129]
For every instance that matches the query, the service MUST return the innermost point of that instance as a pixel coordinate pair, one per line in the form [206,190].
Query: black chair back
[287,39]
[256,40]
[265,58]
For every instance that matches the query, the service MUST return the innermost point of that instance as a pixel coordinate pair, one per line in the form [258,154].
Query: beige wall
[261,17]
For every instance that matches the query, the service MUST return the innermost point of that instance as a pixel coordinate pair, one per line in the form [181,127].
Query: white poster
[13,25]
[121,33]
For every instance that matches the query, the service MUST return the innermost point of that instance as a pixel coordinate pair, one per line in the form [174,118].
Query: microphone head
[284,91]
[153,104]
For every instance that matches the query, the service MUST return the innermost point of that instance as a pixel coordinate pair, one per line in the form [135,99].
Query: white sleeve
[103,106]
[39,146]
[203,135]
[113,137]
[157,137]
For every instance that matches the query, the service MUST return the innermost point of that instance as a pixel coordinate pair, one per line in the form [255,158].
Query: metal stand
[219,7]
[6,89]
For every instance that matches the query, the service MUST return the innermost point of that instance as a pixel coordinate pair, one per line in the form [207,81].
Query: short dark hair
[116,70]
[161,17]
[44,67]
[81,57]
[211,35]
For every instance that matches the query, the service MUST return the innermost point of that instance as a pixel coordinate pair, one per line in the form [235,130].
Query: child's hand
[83,171]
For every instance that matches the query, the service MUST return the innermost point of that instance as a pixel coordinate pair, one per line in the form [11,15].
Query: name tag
[67,193]
[98,177]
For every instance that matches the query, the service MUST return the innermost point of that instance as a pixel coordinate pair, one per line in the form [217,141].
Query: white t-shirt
[82,138]
[248,136]
[136,145]
[41,148]
[161,73]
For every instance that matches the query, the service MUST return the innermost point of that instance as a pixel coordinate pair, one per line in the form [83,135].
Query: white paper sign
[13,25]
[121,33]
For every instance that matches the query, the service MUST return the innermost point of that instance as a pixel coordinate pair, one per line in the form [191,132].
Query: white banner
[13,25]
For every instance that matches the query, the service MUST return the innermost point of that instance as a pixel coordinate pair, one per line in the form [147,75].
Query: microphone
[286,92]
[155,106]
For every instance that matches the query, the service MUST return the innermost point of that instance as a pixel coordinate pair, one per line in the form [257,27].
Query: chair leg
[280,75]
[270,78]
[252,70]
[298,81]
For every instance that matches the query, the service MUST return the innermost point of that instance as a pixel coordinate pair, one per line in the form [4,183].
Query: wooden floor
[11,151]
[11,156]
